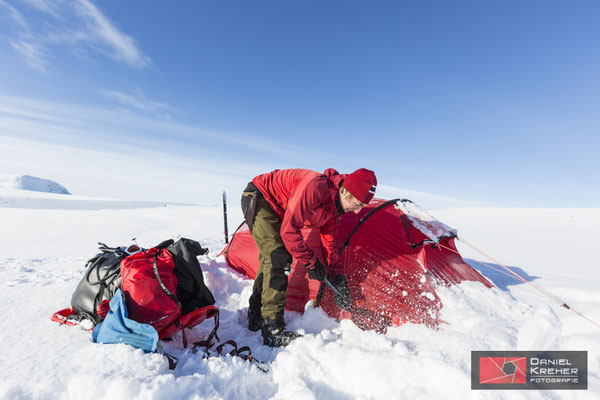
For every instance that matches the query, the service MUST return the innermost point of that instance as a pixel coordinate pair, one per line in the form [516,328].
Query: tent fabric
[389,274]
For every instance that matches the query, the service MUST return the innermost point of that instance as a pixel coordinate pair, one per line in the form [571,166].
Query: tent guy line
[519,277]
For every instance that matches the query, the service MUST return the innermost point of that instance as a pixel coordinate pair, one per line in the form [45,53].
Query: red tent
[395,257]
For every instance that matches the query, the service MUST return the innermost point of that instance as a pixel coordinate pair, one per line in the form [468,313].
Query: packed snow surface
[27,182]
[44,249]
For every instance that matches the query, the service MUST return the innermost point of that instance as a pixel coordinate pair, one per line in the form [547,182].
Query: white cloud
[123,47]
[76,24]
[13,14]
[87,127]
[46,6]
[96,151]
[33,53]
[136,100]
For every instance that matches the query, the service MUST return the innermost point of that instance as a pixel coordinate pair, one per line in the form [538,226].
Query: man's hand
[341,284]
[316,271]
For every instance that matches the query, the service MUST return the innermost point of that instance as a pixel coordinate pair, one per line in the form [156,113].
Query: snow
[18,198]
[27,182]
[423,221]
[46,241]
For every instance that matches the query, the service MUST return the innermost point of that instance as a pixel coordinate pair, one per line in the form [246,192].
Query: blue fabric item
[117,328]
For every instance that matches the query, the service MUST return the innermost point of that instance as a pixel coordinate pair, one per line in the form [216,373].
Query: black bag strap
[108,278]
[170,358]
[183,336]
[93,275]
[231,343]
[160,282]
[208,343]
[166,289]
[243,352]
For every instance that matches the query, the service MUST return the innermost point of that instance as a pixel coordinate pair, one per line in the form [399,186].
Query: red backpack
[152,290]
[149,287]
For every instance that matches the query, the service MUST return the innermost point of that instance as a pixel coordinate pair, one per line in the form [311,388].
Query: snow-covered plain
[46,239]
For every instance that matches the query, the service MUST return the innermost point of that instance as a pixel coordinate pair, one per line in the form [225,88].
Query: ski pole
[225,217]
[333,288]
[322,290]
[346,299]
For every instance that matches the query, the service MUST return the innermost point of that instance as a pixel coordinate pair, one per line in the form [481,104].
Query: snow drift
[35,184]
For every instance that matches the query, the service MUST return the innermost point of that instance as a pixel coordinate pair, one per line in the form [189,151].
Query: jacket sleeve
[301,203]
[330,244]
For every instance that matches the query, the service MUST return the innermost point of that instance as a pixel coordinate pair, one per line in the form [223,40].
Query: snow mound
[423,221]
[28,182]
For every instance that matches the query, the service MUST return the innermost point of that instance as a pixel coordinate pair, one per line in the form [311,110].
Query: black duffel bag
[100,281]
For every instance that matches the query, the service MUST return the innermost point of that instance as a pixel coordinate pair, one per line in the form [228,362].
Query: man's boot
[275,334]
[254,319]
[254,306]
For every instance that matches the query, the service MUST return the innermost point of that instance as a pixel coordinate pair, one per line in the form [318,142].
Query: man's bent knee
[281,262]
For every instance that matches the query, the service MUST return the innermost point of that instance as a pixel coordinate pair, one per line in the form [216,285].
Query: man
[276,206]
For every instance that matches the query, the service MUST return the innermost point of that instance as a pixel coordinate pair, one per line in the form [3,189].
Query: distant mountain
[27,182]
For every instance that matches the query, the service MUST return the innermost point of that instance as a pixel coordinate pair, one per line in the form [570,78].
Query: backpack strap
[102,282]
[183,336]
[229,342]
[213,333]
[160,282]
[170,358]
[244,353]
[249,357]
[207,343]
[168,292]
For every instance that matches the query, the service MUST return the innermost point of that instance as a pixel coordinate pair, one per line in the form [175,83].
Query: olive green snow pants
[270,284]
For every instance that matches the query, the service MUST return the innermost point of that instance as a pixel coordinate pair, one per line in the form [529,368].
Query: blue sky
[494,101]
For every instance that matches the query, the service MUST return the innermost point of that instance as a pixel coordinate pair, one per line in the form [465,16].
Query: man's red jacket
[301,197]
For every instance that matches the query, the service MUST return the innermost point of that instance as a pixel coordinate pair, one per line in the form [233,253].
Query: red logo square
[509,370]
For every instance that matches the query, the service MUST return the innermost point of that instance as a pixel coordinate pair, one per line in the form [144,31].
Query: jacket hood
[334,177]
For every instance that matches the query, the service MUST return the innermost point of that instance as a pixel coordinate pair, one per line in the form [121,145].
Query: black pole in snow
[225,217]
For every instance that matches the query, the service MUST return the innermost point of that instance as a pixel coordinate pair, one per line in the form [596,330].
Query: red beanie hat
[361,184]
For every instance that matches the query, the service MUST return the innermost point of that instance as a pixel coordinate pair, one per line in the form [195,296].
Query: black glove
[341,284]
[316,271]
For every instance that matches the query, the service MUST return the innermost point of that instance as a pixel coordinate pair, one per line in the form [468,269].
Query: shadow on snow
[501,278]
